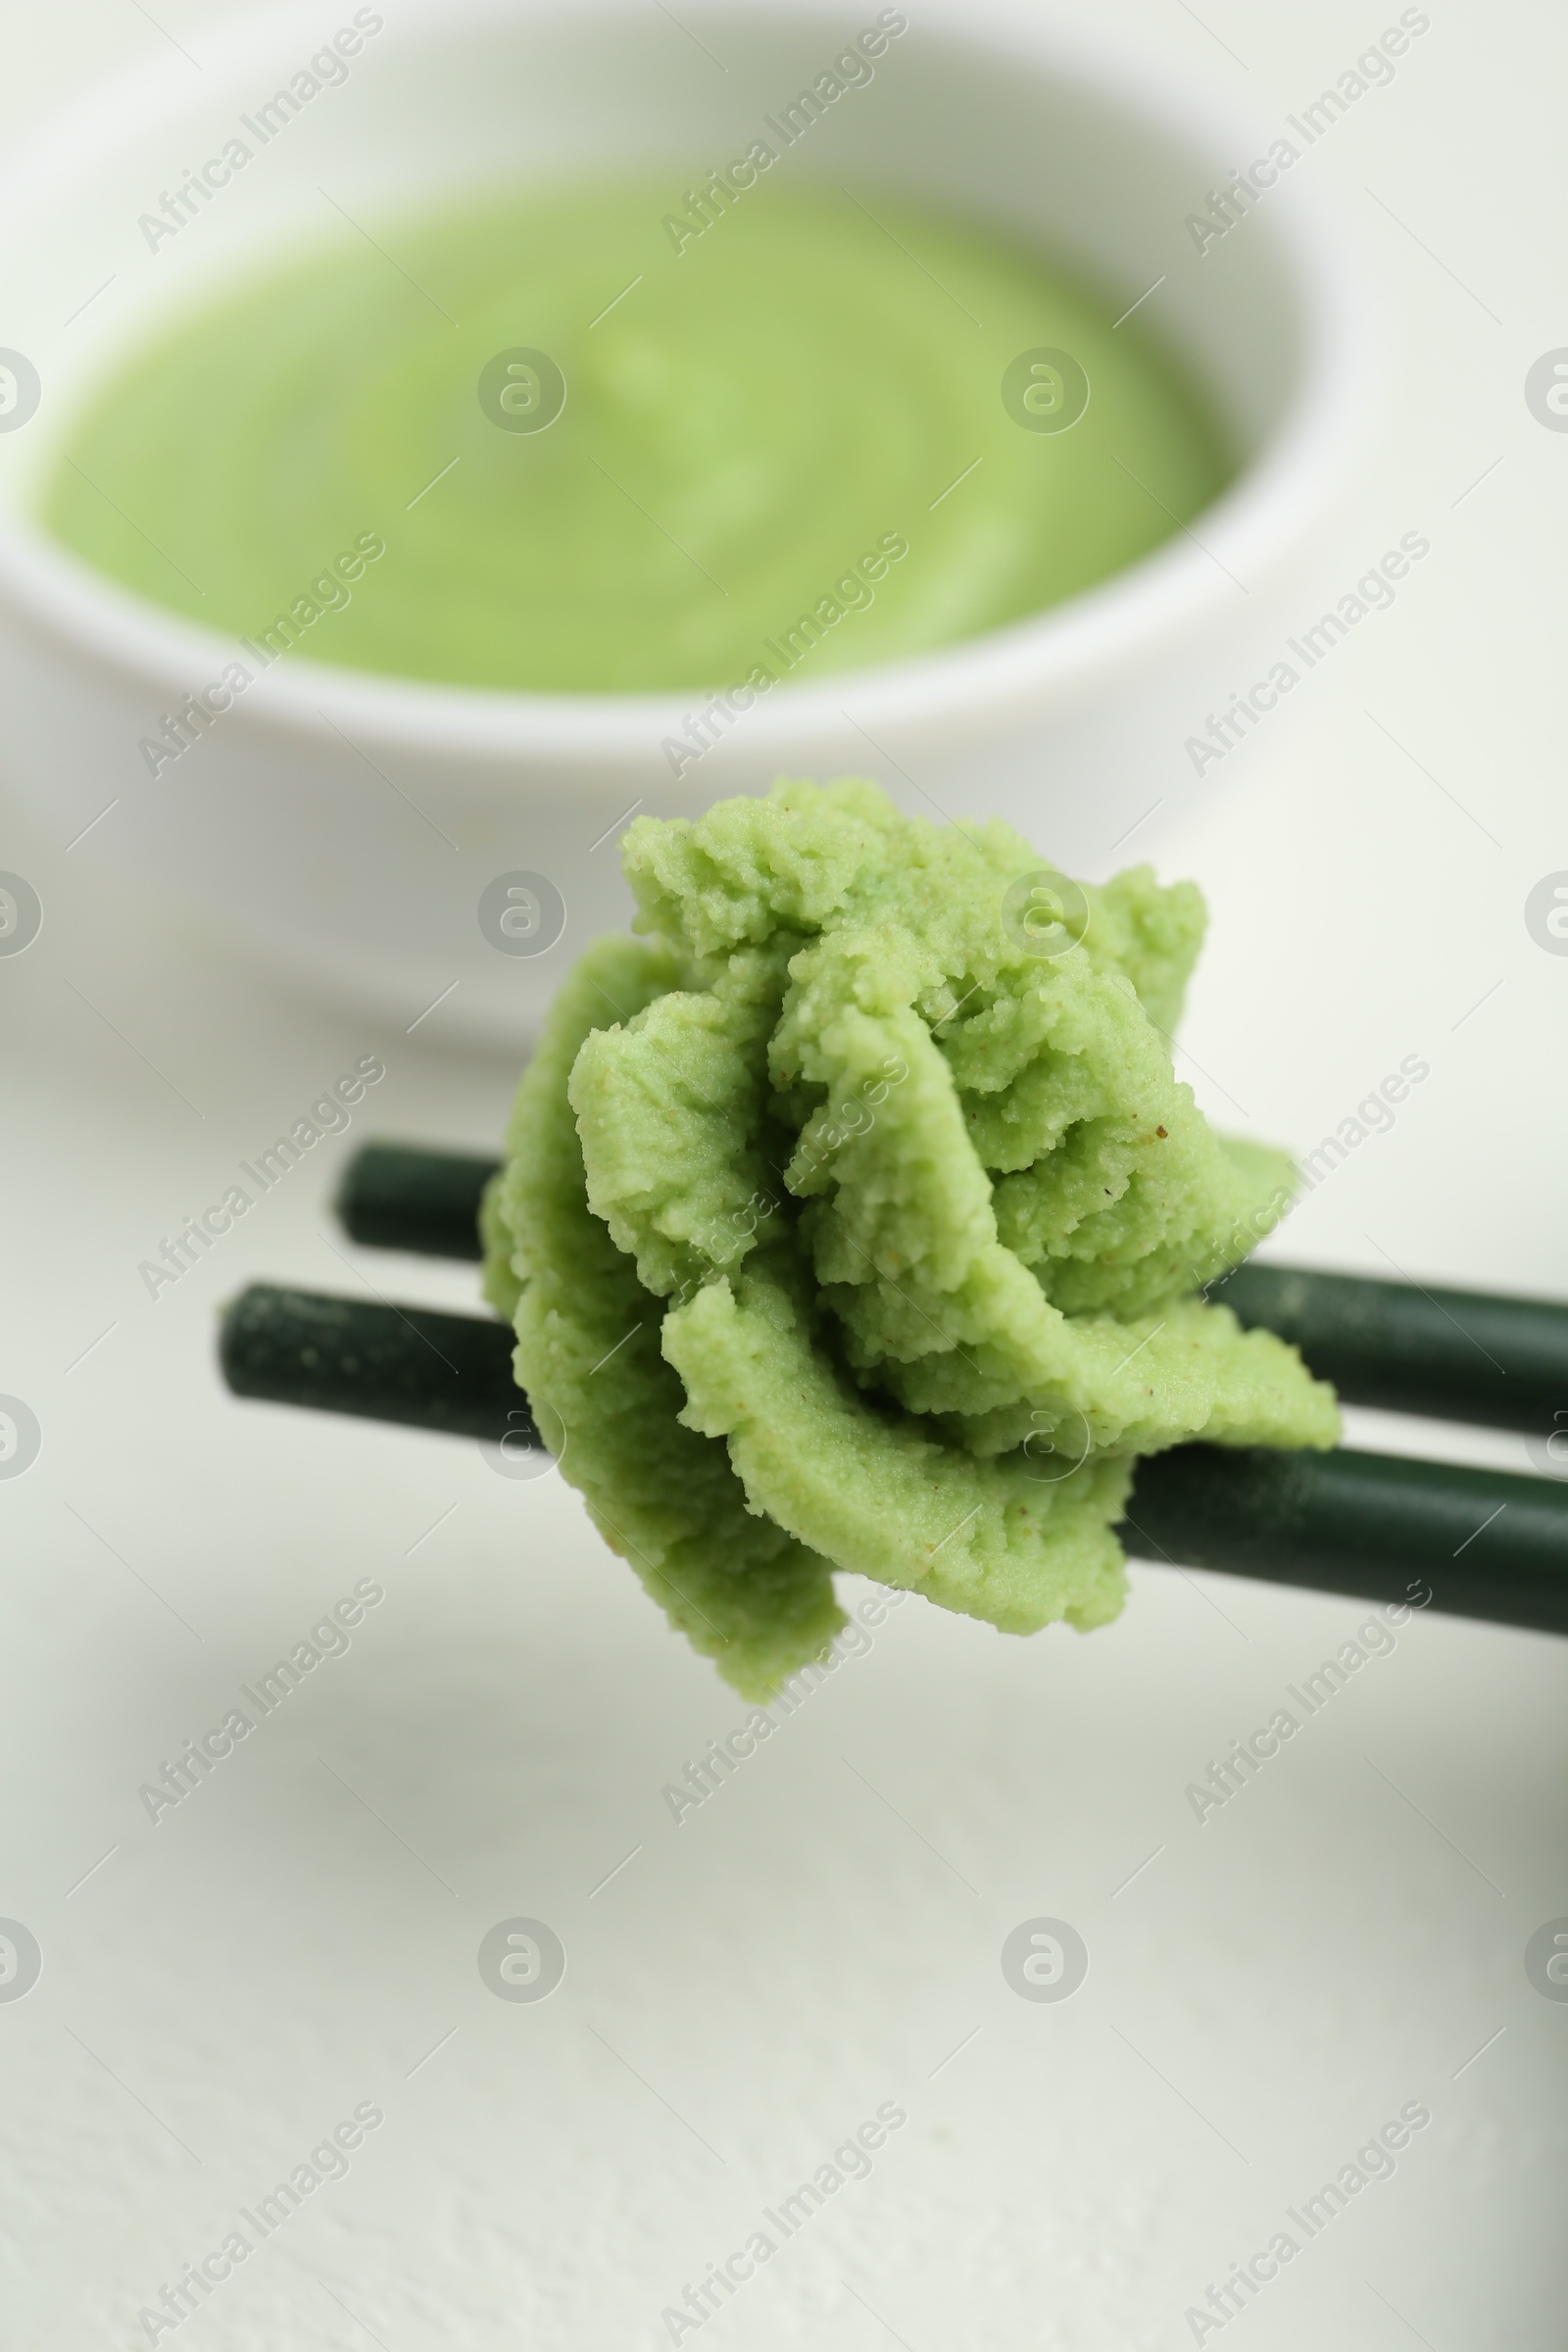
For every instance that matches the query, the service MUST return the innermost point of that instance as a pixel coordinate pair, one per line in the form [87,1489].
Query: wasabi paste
[852,1218]
[789,446]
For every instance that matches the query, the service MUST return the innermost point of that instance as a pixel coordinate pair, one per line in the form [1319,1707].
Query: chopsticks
[428,1370]
[1451,1356]
[1478,1543]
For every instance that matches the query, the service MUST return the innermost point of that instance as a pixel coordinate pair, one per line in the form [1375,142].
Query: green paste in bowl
[785,442]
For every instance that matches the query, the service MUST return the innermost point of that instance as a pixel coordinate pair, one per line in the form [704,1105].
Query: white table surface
[223,1987]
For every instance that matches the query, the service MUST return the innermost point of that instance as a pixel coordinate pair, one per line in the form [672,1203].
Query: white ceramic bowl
[346,825]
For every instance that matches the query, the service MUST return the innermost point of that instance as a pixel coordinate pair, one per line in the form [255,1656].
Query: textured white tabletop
[296,1942]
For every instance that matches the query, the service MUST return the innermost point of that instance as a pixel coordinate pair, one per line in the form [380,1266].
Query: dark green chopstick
[1456,1356]
[384,1364]
[1453,1355]
[396,1196]
[1480,1544]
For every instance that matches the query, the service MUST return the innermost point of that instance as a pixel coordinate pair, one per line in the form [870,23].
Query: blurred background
[744,1987]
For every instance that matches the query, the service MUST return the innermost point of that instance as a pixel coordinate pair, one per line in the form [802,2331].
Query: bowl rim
[1054,656]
